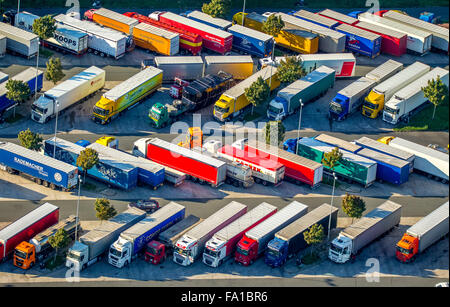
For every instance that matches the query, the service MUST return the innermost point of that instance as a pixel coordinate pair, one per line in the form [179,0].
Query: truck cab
[155,252]
[223,108]
[373,105]
[277,109]
[339,107]
[407,248]
[340,249]
[276,253]
[140,148]
[120,253]
[42,109]
[391,112]
[108,141]
[215,252]
[25,255]
[246,251]
[185,250]
[158,115]
[78,256]
[194,138]
[103,110]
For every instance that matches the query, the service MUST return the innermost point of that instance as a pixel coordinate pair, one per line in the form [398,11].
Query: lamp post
[18,6]
[299,125]
[78,206]
[243,13]
[331,208]
[37,65]
[56,128]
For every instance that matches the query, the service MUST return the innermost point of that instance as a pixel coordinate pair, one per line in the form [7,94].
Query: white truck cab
[140,147]
[43,109]
[78,256]
[275,110]
[340,249]
[185,251]
[215,252]
[120,253]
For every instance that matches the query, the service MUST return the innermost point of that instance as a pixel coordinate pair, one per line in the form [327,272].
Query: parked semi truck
[354,238]
[233,102]
[76,89]
[43,170]
[247,40]
[127,94]
[223,243]
[19,42]
[134,239]
[239,66]
[290,240]
[410,99]
[254,242]
[423,234]
[307,89]
[360,41]
[158,250]
[215,22]
[92,246]
[112,20]
[381,93]
[26,227]
[36,250]
[192,244]
[350,98]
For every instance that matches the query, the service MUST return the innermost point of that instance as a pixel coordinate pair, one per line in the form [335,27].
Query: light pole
[37,65]
[56,128]
[78,206]
[243,13]
[18,7]
[331,208]
[299,125]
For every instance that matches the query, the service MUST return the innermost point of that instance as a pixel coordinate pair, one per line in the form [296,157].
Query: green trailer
[352,167]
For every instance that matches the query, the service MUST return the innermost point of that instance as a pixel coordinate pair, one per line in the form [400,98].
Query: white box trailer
[219,23]
[428,161]
[20,41]
[102,41]
[67,93]
[409,99]
[418,41]
[440,39]
[24,20]
[67,39]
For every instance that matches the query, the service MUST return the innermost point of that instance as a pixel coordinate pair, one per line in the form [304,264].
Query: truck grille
[19,262]
[36,118]
[178,259]
[367,113]
[208,260]
[388,118]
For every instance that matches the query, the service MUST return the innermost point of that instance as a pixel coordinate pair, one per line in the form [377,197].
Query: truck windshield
[20,254]
[100,111]
[390,110]
[214,254]
[220,110]
[274,110]
[154,114]
[335,107]
[152,251]
[404,250]
[39,110]
[73,256]
[242,251]
[336,249]
[370,105]
[273,253]
[115,252]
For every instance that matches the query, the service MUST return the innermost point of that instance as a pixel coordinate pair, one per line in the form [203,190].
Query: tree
[103,210]
[54,70]
[258,92]
[87,159]
[331,159]
[353,206]
[17,91]
[436,92]
[276,129]
[58,240]
[217,8]
[273,25]
[30,140]
[314,235]
[290,69]
[44,27]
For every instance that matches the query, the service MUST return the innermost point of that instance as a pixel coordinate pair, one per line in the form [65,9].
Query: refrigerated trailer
[67,40]
[337,142]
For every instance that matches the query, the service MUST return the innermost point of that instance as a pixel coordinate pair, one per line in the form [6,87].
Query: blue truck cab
[83,143]
[276,253]
[339,107]
[289,145]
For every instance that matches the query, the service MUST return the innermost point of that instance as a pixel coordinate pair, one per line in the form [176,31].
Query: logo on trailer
[58,177]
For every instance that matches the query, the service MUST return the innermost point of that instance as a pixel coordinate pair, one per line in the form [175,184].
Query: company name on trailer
[40,169]
[66,40]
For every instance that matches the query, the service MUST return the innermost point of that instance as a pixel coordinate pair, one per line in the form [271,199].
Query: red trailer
[26,228]
[195,164]
[213,38]
[392,42]
[189,41]
[297,169]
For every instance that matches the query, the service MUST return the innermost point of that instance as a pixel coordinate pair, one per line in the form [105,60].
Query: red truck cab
[407,248]
[246,251]
[155,252]
[89,13]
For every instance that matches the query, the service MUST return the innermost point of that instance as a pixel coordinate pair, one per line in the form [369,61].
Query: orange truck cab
[194,138]
[25,255]
[407,248]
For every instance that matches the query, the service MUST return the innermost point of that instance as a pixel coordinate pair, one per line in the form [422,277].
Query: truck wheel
[52,186]
[45,184]
[264,183]
[102,54]
[84,266]
[38,181]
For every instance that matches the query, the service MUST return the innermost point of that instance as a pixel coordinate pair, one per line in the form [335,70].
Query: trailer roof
[428,222]
[371,218]
[66,145]
[306,221]
[24,76]
[225,59]
[276,220]
[63,224]
[375,155]
[207,18]
[338,16]
[317,18]
[157,31]
[383,70]
[327,56]
[365,141]
[325,138]
[417,148]
[159,60]
[263,162]
[131,83]
[379,29]
[250,32]
[116,16]
[362,84]
[357,31]
[152,220]
[239,88]
[179,227]
[8,29]
[26,220]
[36,156]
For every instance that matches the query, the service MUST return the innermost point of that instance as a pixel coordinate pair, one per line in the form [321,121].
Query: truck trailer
[339,17]
[156,39]
[112,20]
[349,99]
[20,42]
[183,67]
[192,244]
[360,41]
[290,240]
[93,245]
[337,142]
[254,242]
[76,89]
[317,19]
[423,234]
[215,22]
[361,233]
[223,243]
[134,239]
[127,95]
[305,90]
[239,66]
[67,40]
[247,40]
[26,227]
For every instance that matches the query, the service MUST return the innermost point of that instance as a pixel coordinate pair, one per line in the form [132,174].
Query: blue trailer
[360,41]
[43,170]
[29,77]
[122,175]
[133,240]
[389,169]
[251,41]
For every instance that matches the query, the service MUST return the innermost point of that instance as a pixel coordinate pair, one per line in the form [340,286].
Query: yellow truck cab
[25,255]
[108,141]
[373,105]
[386,139]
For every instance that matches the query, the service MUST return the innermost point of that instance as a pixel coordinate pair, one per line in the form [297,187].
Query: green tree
[30,140]
[436,92]
[331,159]
[353,206]
[290,69]
[314,235]
[273,25]
[257,93]
[217,8]
[87,159]
[44,27]
[58,240]
[103,209]
[276,129]
[17,91]
[54,71]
